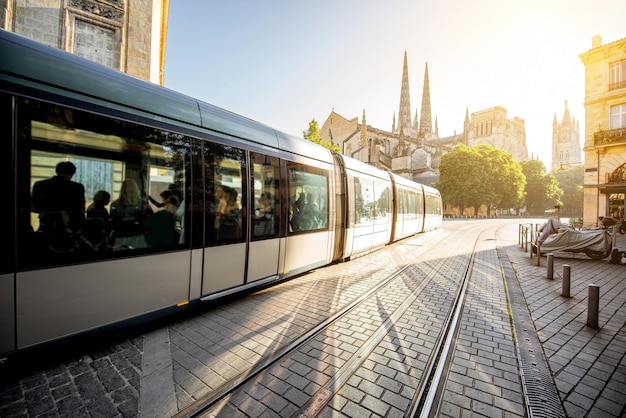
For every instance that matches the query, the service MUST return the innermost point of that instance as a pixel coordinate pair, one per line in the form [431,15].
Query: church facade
[566,149]
[100,31]
[412,147]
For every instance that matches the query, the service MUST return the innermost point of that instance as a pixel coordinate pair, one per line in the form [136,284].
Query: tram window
[226,203]
[381,197]
[364,201]
[308,198]
[121,169]
[411,213]
[265,180]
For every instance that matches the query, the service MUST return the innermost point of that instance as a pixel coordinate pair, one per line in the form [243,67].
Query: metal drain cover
[542,396]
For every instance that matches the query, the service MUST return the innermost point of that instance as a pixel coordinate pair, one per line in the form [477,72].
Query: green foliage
[313,135]
[505,181]
[571,182]
[470,177]
[542,190]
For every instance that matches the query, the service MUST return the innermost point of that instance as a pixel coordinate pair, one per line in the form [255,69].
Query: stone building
[566,149]
[605,130]
[413,148]
[491,127]
[128,35]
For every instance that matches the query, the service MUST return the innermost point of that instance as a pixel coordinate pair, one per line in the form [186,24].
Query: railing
[618,177]
[613,136]
[618,85]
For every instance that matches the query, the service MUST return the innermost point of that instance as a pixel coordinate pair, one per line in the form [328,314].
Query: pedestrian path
[588,365]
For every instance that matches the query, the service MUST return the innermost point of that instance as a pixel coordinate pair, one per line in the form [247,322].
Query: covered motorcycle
[557,236]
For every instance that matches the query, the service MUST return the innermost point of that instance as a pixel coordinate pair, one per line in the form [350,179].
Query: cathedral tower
[404,114]
[565,141]
[426,119]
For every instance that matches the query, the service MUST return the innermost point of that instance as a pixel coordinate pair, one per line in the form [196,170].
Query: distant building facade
[413,148]
[605,130]
[128,35]
[492,127]
[566,150]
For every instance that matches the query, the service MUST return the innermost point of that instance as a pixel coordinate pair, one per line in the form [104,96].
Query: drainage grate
[542,396]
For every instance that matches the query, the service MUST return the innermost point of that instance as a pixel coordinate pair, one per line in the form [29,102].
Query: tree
[460,178]
[483,175]
[571,182]
[542,190]
[504,180]
[313,135]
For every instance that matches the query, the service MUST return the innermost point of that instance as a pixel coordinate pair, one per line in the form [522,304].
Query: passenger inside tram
[264,215]
[228,215]
[98,208]
[128,212]
[59,201]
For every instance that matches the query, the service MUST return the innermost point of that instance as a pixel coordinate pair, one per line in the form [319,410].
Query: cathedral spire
[567,120]
[363,139]
[426,120]
[404,115]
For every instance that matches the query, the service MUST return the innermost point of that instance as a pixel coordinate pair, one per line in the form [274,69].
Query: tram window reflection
[129,163]
[308,198]
[265,180]
[225,202]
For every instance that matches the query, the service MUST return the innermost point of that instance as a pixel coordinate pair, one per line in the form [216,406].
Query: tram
[248,205]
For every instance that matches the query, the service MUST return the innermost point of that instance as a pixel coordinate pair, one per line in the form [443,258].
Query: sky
[285,62]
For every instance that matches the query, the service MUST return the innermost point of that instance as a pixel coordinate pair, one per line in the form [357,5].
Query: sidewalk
[588,365]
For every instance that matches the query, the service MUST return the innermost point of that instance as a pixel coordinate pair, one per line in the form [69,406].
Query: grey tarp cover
[556,236]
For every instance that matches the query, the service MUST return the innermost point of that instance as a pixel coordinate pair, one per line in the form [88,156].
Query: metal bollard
[593,305]
[550,267]
[566,281]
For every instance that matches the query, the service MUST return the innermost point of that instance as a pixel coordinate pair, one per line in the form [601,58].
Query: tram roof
[31,64]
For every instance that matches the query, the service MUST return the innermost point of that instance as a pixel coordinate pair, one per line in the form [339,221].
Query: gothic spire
[404,115]
[426,120]
[363,138]
[567,120]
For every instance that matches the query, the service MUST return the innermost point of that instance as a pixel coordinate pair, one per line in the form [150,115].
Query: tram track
[444,274]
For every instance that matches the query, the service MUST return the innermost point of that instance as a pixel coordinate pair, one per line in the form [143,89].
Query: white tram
[252,205]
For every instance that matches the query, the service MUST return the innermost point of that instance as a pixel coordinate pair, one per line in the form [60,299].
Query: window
[308,198]
[618,116]
[617,75]
[265,180]
[372,201]
[363,201]
[97,185]
[226,201]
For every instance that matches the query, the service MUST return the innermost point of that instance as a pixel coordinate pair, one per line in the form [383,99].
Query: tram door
[264,249]
[241,217]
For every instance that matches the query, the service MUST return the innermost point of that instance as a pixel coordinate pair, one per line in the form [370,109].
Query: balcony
[611,137]
[615,178]
[618,85]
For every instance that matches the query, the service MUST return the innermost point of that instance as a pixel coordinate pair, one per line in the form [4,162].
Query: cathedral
[413,147]
[566,150]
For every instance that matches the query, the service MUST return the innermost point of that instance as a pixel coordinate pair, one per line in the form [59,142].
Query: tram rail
[449,270]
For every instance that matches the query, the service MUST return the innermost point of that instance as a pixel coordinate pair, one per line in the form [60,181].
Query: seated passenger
[98,208]
[264,216]
[228,221]
[127,214]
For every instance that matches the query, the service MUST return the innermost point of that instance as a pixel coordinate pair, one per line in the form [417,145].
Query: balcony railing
[617,177]
[618,85]
[613,136]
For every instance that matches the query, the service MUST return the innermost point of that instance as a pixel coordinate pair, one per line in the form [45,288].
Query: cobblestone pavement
[588,365]
[131,376]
